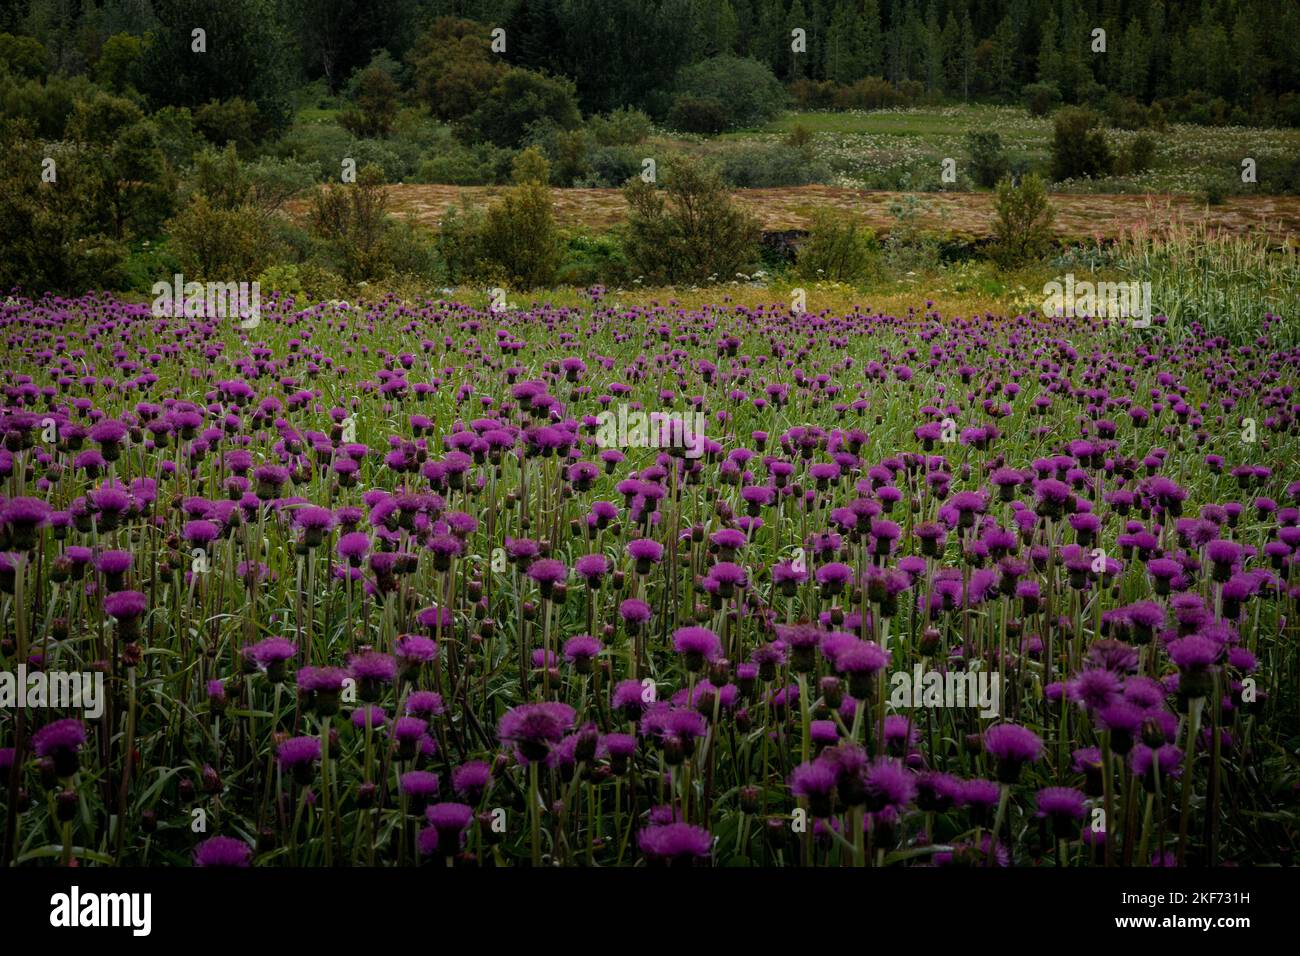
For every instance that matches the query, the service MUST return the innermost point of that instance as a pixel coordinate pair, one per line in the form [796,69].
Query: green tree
[838,249]
[520,239]
[519,99]
[118,66]
[1022,229]
[51,233]
[351,221]
[454,67]
[690,231]
[1079,148]
[748,92]
[23,56]
[988,160]
[121,147]
[245,57]
[375,111]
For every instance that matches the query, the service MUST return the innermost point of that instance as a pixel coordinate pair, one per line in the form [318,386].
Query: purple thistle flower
[675,844]
[223,851]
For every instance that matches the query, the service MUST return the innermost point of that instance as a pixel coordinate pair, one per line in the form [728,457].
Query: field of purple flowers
[366,586]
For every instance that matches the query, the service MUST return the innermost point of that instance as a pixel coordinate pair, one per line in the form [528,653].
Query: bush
[771,165]
[612,166]
[454,67]
[1138,156]
[814,94]
[408,251]
[622,127]
[515,242]
[697,114]
[177,137]
[51,236]
[745,91]
[46,106]
[1023,227]
[518,100]
[800,137]
[23,56]
[1124,112]
[118,66]
[593,260]
[1041,98]
[230,121]
[1079,146]
[566,151]
[459,243]
[351,221]
[216,244]
[690,231]
[838,249]
[869,93]
[376,104]
[480,165]
[988,160]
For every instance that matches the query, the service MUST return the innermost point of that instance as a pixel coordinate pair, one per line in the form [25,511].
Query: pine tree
[840,63]
[872,40]
[1133,60]
[796,64]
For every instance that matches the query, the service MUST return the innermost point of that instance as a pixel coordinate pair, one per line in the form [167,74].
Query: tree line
[1213,60]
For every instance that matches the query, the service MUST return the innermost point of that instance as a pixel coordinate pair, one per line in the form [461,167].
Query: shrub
[869,93]
[479,165]
[1138,156]
[229,121]
[1022,229]
[454,67]
[988,160]
[746,90]
[459,243]
[515,242]
[177,137]
[800,137]
[838,249]
[215,243]
[769,165]
[690,231]
[376,104]
[1041,98]
[1079,146]
[519,99]
[593,260]
[118,65]
[909,247]
[23,56]
[697,114]
[565,150]
[814,94]
[350,221]
[622,127]
[1125,112]
[52,238]
[612,166]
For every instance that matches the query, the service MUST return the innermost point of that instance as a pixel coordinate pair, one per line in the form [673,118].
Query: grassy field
[903,145]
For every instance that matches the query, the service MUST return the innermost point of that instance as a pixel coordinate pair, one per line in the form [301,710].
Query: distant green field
[904,148]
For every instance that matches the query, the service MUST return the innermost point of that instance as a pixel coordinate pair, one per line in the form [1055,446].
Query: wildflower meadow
[364,585]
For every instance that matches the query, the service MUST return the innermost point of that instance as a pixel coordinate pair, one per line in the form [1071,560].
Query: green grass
[903,148]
